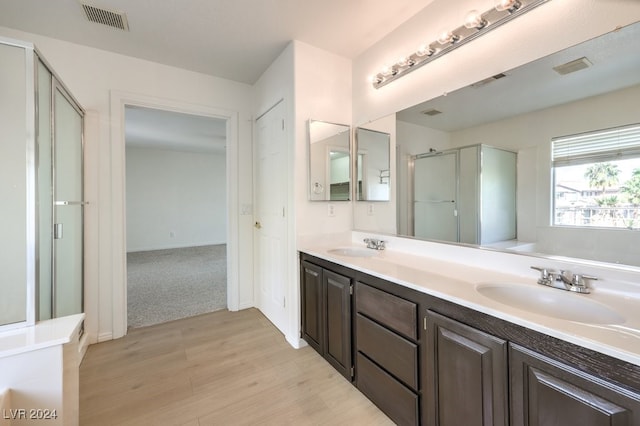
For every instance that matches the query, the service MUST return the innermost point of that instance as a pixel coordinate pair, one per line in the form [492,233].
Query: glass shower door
[435,207]
[68,207]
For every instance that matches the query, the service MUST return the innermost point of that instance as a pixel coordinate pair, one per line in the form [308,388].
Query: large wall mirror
[590,87]
[329,161]
[373,174]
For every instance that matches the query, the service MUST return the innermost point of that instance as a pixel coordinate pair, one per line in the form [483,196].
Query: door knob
[258,225]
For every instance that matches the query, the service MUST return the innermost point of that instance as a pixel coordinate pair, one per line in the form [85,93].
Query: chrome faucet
[564,280]
[375,244]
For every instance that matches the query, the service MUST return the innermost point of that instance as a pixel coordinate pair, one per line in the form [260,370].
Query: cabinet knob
[258,225]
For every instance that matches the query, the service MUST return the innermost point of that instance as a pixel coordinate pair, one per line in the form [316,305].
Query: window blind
[597,146]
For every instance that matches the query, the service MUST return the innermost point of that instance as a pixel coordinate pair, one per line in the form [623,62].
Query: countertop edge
[532,321]
[44,334]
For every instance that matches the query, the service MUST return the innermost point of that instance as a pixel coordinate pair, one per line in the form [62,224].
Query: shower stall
[465,195]
[41,175]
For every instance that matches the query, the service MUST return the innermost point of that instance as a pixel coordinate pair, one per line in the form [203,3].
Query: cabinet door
[337,300]
[312,306]
[546,392]
[466,375]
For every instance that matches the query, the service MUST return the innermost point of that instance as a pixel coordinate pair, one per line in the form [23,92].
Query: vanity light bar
[475,25]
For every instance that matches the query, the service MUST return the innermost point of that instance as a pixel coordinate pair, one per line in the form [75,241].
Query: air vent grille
[431,112]
[106,17]
[573,66]
[489,80]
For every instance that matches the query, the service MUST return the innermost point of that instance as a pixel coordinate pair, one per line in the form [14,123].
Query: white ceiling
[534,86]
[233,39]
[157,129]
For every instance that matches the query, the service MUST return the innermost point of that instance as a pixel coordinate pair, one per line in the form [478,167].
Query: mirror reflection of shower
[465,195]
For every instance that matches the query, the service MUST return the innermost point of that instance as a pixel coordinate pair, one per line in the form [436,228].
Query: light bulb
[376,79]
[510,5]
[425,50]
[447,37]
[474,20]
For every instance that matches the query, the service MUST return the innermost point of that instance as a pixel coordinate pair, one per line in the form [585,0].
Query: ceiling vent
[573,66]
[488,80]
[431,112]
[106,17]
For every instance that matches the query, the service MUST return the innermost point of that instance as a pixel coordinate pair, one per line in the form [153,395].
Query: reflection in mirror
[372,165]
[584,89]
[329,161]
[465,195]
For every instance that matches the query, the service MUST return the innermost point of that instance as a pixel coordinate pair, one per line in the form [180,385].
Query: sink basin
[353,252]
[551,302]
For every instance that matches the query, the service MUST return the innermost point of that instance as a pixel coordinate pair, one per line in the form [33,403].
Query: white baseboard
[176,246]
[103,337]
[296,342]
[245,305]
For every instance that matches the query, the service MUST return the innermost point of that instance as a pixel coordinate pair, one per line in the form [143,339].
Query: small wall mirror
[329,161]
[372,165]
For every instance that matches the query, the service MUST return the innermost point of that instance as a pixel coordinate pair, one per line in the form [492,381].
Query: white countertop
[457,282]
[44,334]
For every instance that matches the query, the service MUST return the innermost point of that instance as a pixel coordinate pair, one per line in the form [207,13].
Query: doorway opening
[176,215]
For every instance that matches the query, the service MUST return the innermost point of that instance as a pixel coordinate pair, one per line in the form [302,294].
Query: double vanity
[448,335]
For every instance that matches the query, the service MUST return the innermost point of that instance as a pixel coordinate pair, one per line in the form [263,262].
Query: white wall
[175,199]
[314,84]
[94,76]
[322,92]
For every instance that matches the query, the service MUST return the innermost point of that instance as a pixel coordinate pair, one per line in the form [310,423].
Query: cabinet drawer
[393,398]
[392,311]
[396,354]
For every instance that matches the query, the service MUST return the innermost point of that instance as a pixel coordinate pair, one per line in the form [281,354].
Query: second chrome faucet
[375,244]
[564,280]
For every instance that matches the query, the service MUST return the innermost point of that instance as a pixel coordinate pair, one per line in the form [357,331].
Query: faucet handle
[545,274]
[578,279]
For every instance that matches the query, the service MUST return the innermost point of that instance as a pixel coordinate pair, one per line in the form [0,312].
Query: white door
[270,217]
[435,210]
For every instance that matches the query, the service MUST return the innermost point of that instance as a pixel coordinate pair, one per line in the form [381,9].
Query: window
[597,178]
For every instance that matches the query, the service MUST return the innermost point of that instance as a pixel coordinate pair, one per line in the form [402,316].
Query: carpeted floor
[164,285]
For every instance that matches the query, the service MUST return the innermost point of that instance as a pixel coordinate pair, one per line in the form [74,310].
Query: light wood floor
[223,368]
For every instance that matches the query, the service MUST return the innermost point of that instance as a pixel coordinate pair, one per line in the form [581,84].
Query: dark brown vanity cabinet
[547,392]
[427,361]
[486,375]
[466,369]
[387,352]
[326,315]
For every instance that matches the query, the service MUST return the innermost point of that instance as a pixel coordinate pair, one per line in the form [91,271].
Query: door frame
[118,195]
